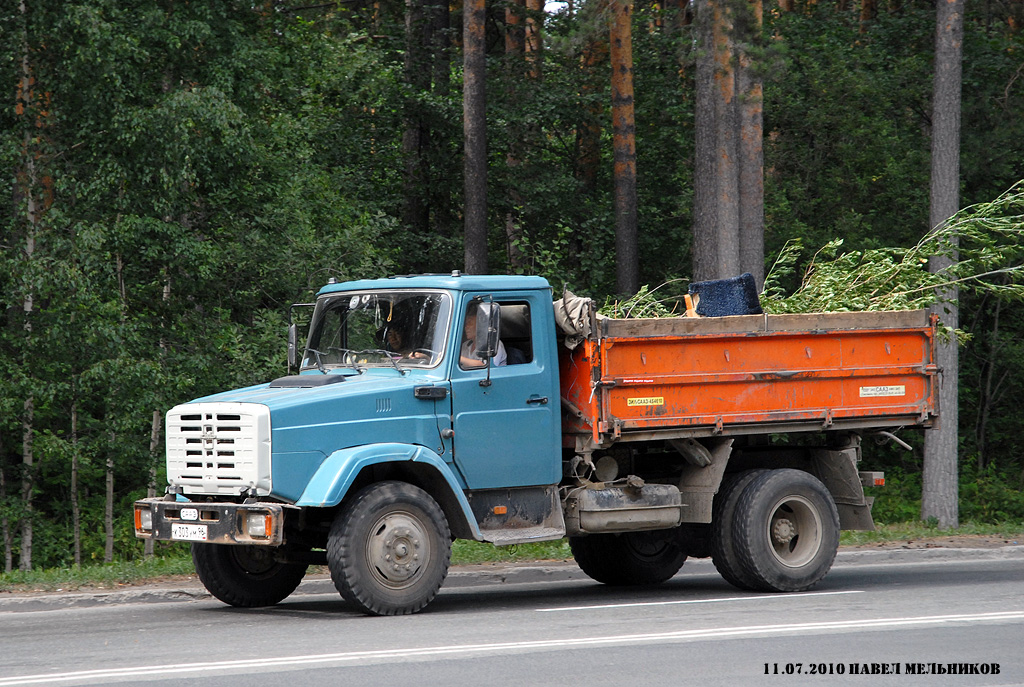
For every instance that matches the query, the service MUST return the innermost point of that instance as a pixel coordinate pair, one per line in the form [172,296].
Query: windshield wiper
[319,363]
[386,355]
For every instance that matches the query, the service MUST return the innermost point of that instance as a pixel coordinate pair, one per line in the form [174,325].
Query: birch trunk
[108,510]
[76,513]
[31,227]
[5,524]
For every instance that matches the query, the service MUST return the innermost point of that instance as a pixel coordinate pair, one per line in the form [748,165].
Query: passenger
[467,358]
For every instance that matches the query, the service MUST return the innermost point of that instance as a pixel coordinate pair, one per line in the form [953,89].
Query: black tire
[723,550]
[245,576]
[389,549]
[785,531]
[630,558]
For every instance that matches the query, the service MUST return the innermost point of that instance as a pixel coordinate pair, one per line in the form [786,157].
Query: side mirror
[293,334]
[293,346]
[488,330]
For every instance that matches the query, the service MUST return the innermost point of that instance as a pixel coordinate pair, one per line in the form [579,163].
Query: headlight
[259,524]
[143,519]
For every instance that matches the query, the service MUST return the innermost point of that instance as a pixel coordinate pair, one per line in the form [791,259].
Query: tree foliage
[175,175]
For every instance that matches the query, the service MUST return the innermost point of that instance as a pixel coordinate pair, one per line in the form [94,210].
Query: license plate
[188,532]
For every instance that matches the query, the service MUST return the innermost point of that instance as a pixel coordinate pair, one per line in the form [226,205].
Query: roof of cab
[455,281]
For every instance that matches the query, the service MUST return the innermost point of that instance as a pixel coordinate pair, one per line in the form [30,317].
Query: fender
[335,475]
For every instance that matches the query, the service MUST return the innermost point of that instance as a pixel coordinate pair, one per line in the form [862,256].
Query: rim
[398,549]
[257,561]
[647,545]
[794,531]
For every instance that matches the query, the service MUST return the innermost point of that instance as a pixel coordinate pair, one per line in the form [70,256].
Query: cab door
[507,432]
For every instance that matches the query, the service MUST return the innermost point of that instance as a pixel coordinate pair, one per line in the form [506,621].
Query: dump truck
[424,409]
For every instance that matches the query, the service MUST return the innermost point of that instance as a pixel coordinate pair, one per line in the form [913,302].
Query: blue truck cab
[433,398]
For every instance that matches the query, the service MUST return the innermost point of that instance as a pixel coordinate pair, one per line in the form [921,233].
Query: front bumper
[260,523]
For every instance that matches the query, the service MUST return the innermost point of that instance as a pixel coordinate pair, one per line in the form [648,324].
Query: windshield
[378,328]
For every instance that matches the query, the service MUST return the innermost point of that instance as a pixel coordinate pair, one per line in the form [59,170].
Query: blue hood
[308,424]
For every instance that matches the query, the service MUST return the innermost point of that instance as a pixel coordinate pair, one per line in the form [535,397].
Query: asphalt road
[956,615]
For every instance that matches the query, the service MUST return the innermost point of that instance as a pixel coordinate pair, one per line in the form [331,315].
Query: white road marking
[754,597]
[254,665]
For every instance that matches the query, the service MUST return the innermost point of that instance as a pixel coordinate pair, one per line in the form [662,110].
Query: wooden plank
[754,324]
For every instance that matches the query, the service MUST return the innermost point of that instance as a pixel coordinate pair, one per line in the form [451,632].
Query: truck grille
[219,448]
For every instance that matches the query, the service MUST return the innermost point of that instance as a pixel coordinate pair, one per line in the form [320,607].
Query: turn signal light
[143,519]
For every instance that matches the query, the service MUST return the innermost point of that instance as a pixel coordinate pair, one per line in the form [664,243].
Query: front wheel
[785,531]
[245,576]
[631,558]
[389,549]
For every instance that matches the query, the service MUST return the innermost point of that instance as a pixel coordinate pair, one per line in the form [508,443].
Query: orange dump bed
[688,377]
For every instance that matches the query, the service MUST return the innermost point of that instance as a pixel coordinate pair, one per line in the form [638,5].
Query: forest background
[176,174]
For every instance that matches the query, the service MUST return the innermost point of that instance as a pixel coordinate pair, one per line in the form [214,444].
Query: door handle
[542,400]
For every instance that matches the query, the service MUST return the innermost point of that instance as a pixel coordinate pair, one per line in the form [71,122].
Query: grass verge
[906,531]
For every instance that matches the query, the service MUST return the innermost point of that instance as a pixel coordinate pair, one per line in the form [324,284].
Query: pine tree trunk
[534,36]
[751,152]
[727,140]
[515,32]
[588,134]
[440,189]
[716,241]
[939,493]
[705,207]
[474,108]
[418,68]
[627,267]
[515,47]
[868,11]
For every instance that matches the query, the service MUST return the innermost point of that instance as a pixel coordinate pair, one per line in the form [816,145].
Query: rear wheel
[630,558]
[723,553]
[389,549]
[246,576]
[785,531]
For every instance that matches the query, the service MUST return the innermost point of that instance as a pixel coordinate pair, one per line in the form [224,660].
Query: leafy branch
[642,304]
[984,242]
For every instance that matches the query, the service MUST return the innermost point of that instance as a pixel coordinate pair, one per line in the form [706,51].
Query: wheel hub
[396,550]
[783,531]
[255,560]
[794,531]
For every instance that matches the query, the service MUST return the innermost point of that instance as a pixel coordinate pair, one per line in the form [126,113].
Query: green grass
[106,575]
[473,552]
[922,530]
[114,575]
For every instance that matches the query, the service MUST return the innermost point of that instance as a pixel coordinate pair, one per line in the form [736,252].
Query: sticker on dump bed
[646,401]
[879,391]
